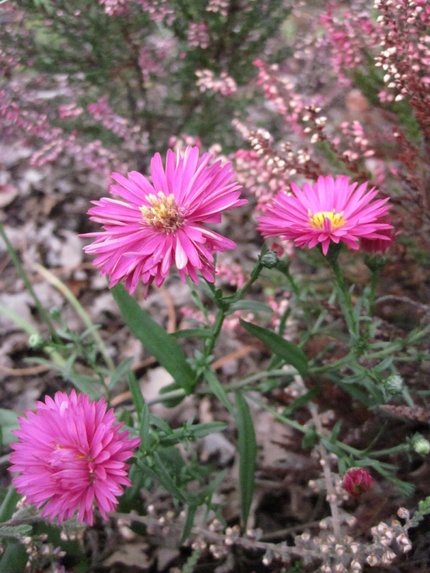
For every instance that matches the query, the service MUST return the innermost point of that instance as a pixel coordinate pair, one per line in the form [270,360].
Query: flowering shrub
[113,101]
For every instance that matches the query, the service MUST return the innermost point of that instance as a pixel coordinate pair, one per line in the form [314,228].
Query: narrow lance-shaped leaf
[218,389]
[248,452]
[155,339]
[286,350]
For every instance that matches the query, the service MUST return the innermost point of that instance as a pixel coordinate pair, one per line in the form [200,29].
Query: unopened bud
[394,384]
[420,445]
[269,260]
[36,341]
[357,481]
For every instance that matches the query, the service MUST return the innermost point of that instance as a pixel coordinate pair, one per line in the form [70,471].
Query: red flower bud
[357,481]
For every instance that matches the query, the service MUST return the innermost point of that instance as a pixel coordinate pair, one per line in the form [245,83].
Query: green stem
[343,294]
[284,268]
[173,395]
[374,279]
[80,311]
[225,303]
[256,271]
[277,415]
[15,259]
[216,329]
[344,361]
[256,378]
[389,451]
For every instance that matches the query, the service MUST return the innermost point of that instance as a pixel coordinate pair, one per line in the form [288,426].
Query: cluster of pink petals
[156,224]
[71,455]
[357,481]
[379,246]
[330,210]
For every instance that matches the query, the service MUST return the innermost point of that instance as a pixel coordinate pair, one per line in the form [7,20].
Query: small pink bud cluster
[114,7]
[279,89]
[207,81]
[198,35]
[218,6]
[254,174]
[118,125]
[158,10]
[346,35]
[404,53]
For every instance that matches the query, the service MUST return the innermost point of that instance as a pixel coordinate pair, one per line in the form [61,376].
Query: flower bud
[394,384]
[36,341]
[420,445]
[269,260]
[357,481]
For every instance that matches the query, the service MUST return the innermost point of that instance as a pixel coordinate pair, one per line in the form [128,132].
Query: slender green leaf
[301,401]
[192,333]
[136,393]
[254,305]
[9,503]
[14,559]
[145,428]
[161,424]
[8,422]
[164,476]
[80,311]
[189,522]
[218,389]
[120,371]
[202,430]
[15,531]
[86,384]
[248,452]
[286,350]
[155,339]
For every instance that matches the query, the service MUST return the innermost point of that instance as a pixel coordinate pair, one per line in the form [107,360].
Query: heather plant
[172,69]
[333,200]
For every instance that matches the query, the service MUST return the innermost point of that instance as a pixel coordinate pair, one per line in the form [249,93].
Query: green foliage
[289,352]
[8,423]
[155,339]
[13,559]
[247,449]
[424,506]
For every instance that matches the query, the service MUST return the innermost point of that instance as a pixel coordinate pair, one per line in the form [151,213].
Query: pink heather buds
[357,481]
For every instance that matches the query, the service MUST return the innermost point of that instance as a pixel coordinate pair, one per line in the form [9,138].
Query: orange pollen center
[164,214]
[317,220]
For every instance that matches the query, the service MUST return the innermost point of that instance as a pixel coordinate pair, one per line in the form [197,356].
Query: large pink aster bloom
[330,210]
[160,223]
[70,456]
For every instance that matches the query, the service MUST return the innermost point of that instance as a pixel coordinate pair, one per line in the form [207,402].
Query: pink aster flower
[330,210]
[71,454]
[156,224]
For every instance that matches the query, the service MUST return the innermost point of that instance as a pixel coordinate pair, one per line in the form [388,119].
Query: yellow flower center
[336,219]
[164,214]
